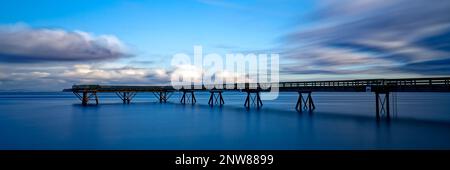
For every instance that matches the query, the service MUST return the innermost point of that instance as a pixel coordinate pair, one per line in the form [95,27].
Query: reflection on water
[341,121]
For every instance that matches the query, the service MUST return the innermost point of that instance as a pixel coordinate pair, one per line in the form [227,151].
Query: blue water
[341,121]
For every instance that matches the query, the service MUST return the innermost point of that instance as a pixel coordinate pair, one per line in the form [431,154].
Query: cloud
[3,76]
[39,74]
[364,36]
[187,72]
[30,75]
[193,73]
[126,75]
[437,67]
[56,78]
[53,77]
[23,44]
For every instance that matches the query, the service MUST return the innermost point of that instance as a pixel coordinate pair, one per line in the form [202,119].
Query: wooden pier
[380,87]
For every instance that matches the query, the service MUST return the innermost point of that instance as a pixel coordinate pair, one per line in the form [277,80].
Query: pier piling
[189,95]
[126,97]
[253,100]
[86,96]
[305,103]
[216,98]
[382,104]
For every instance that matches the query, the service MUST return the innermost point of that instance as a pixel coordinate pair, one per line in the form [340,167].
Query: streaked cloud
[396,36]
[20,43]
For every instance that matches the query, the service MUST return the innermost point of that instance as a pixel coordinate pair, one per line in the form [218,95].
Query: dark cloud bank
[21,44]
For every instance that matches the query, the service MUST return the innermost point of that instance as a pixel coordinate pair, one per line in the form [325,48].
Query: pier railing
[371,82]
[444,82]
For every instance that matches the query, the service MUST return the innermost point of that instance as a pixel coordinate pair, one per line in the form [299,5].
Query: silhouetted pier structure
[381,87]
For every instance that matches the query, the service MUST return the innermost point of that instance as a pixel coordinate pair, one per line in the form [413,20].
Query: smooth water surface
[341,121]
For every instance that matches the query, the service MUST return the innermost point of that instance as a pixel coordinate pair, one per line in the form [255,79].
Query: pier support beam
[254,100]
[126,96]
[162,96]
[189,95]
[305,103]
[85,99]
[382,104]
[216,98]
[86,96]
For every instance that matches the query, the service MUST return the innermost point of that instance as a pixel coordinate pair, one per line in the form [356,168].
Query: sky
[50,45]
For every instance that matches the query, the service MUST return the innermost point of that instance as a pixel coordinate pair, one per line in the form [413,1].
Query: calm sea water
[341,121]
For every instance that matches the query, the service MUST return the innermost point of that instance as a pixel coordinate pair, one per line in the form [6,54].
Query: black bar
[281,159]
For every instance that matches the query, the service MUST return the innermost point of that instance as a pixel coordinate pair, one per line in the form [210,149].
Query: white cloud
[187,72]
[40,74]
[90,72]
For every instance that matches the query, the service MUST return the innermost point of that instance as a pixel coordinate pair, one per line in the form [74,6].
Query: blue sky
[133,41]
[163,27]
